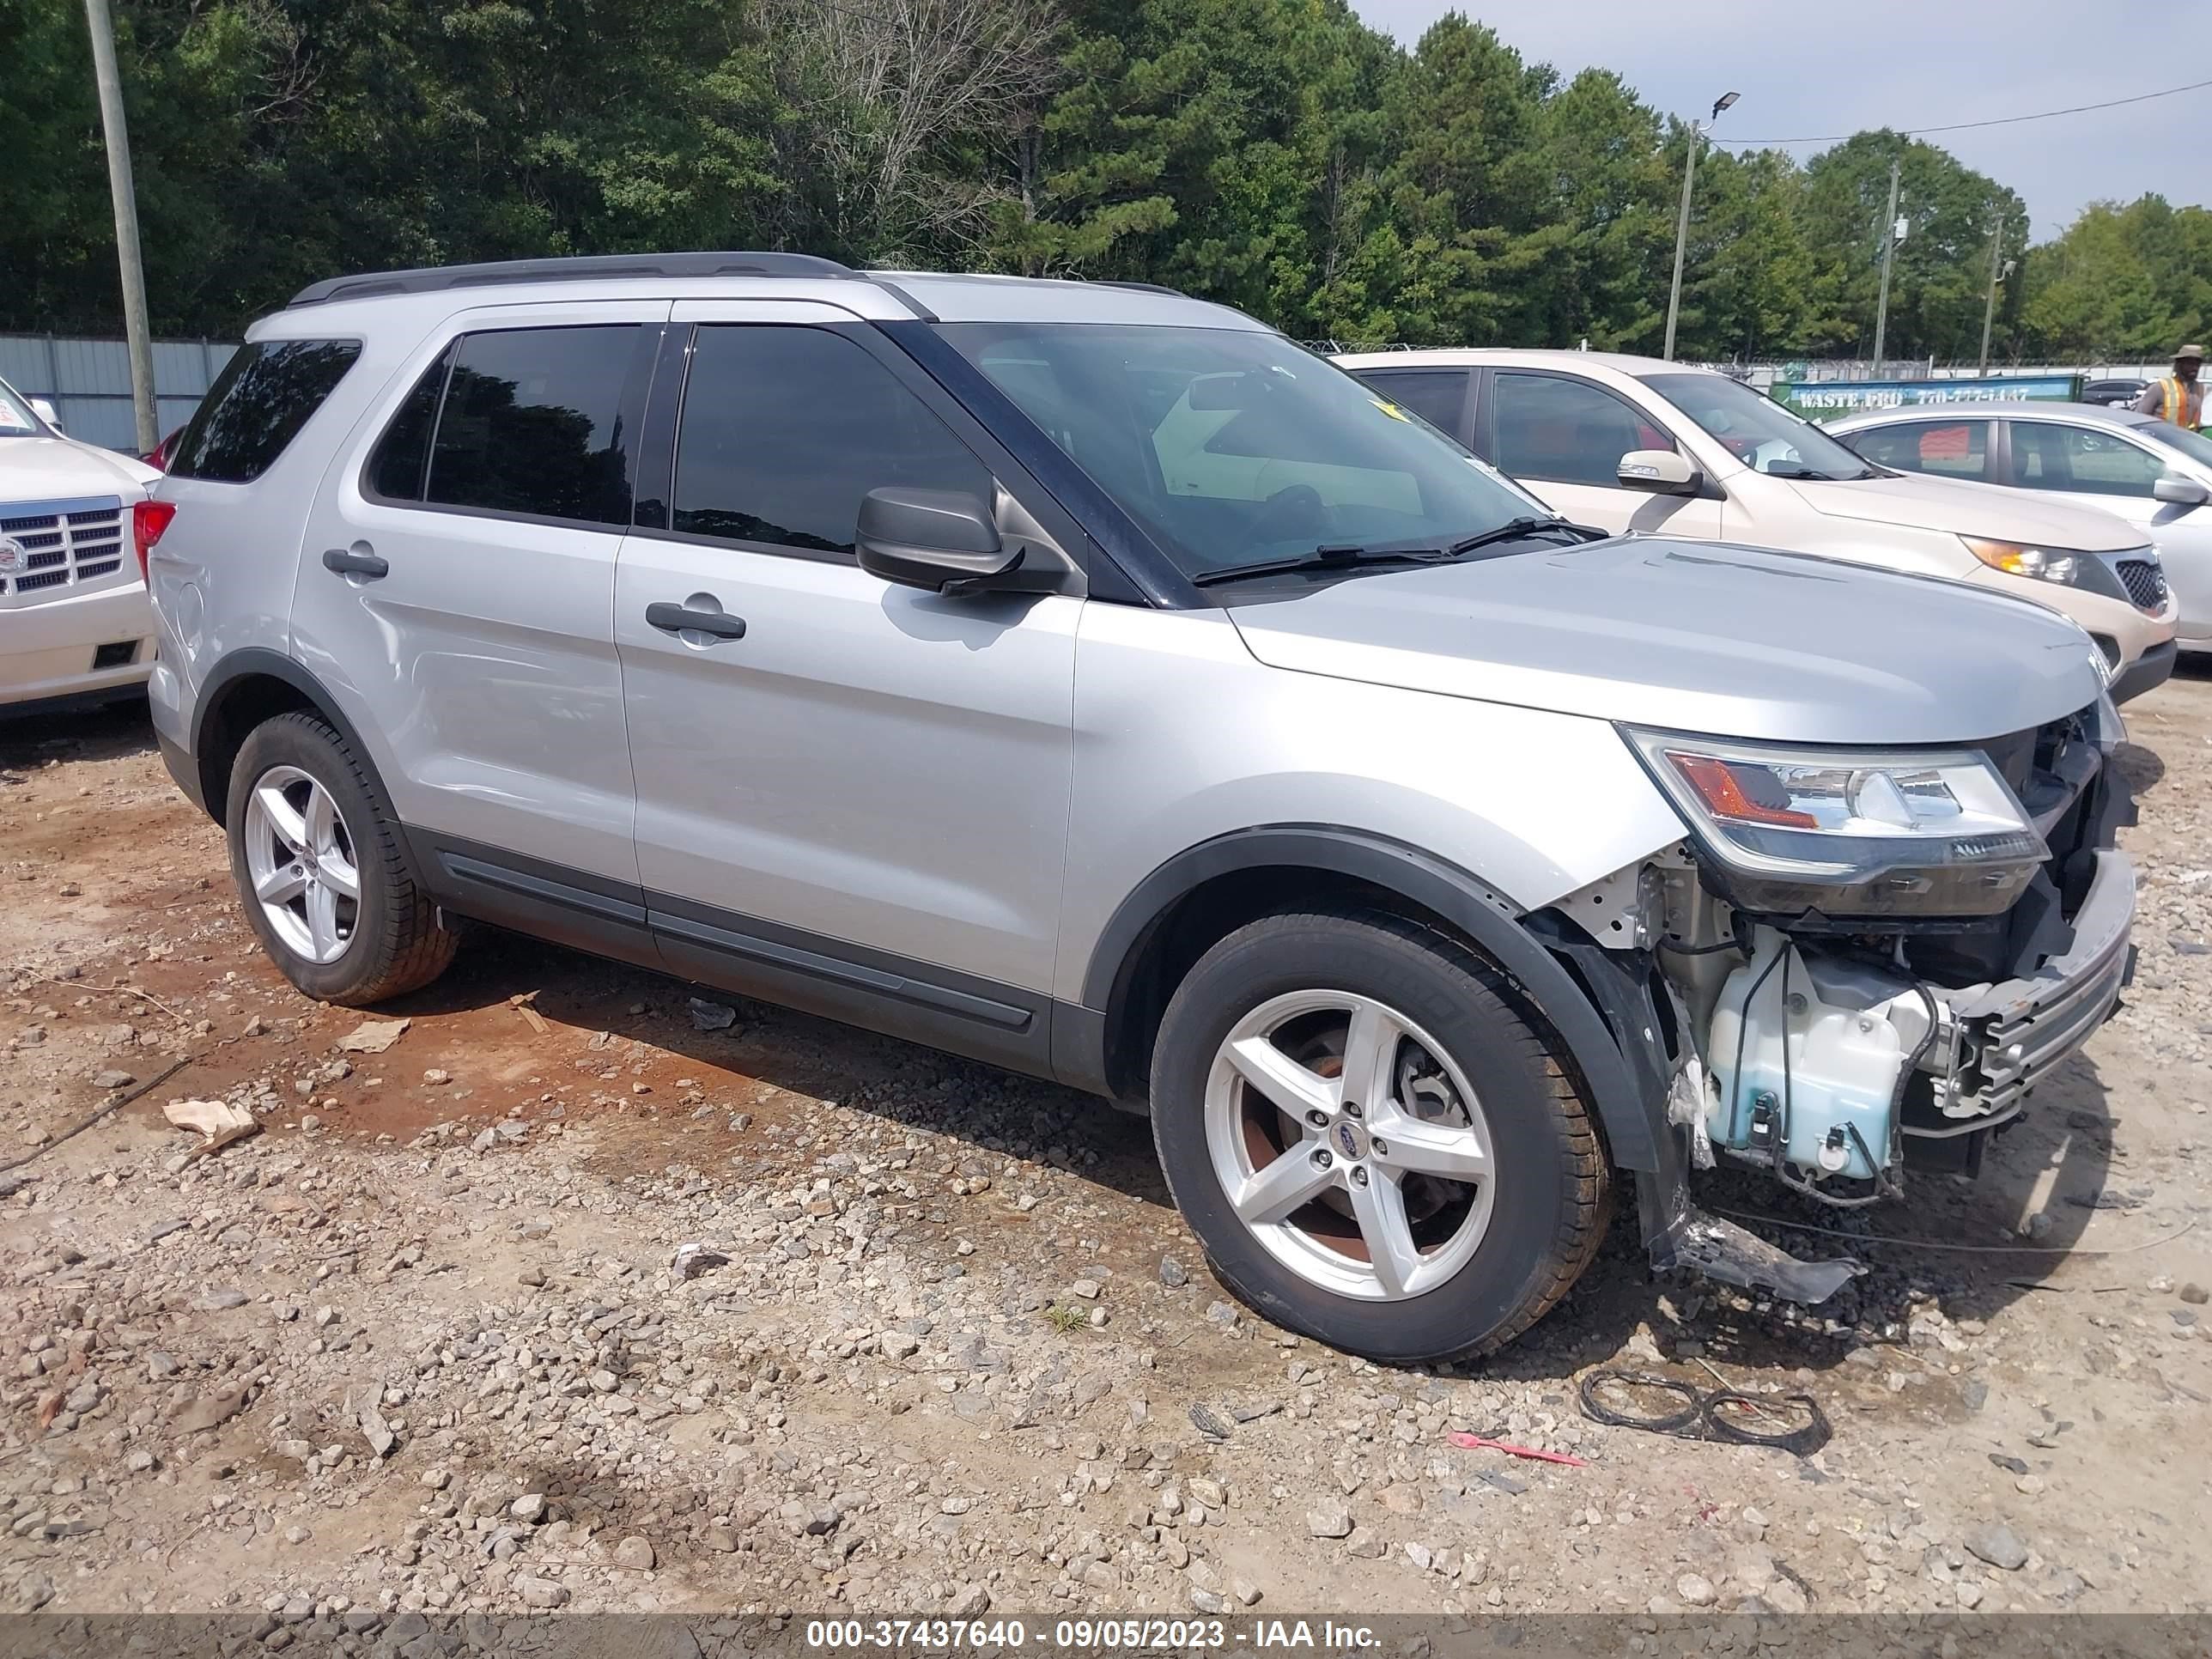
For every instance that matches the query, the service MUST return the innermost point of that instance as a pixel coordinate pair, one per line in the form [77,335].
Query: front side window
[784,429]
[2080,460]
[256,407]
[1231,447]
[1944,449]
[2194,445]
[1564,431]
[530,423]
[1439,396]
[1755,429]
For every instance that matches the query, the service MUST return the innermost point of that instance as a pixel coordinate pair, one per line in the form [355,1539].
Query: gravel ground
[434,1339]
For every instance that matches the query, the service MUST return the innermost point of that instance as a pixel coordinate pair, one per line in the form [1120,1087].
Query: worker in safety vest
[2179,397]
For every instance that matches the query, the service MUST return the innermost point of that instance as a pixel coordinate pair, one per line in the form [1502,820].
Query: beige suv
[1633,443]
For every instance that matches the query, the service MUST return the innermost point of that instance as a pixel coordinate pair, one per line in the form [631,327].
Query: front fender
[1630,1112]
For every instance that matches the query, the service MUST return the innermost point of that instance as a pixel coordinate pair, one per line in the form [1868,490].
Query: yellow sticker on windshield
[1391,410]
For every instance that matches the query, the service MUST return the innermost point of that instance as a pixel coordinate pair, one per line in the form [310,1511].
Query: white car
[2154,474]
[1633,443]
[74,624]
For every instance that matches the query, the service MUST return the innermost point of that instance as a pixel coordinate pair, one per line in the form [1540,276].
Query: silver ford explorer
[1086,679]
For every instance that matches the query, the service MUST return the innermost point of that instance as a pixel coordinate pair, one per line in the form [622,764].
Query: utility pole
[1990,310]
[1681,240]
[1888,253]
[1682,223]
[126,222]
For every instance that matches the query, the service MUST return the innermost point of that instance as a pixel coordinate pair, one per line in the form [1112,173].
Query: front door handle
[347,563]
[683,619]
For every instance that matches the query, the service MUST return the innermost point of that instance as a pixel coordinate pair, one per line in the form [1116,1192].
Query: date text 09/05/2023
[959,1635]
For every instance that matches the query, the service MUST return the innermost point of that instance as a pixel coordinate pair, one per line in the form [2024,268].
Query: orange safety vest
[2182,405]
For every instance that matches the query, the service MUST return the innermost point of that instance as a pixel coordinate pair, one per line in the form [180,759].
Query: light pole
[1682,225]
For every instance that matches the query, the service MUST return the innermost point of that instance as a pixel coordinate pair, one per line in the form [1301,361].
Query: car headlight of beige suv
[2049,564]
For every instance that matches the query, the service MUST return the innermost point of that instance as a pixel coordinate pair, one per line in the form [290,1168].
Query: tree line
[1279,155]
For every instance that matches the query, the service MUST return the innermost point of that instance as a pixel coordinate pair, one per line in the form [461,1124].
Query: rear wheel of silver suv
[320,872]
[1374,1147]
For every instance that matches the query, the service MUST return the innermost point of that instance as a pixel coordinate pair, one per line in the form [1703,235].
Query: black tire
[1552,1197]
[398,943]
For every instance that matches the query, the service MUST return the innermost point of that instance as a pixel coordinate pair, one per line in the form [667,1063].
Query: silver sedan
[2149,471]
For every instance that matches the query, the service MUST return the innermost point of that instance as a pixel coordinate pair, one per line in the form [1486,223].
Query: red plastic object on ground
[1476,1442]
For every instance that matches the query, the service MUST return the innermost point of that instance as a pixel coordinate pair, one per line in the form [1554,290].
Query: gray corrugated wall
[89,381]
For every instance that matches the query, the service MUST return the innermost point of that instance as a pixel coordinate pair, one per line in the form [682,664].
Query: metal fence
[1762,372]
[89,381]
[1763,375]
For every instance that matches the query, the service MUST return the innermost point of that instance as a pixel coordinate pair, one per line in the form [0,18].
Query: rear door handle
[347,563]
[683,619]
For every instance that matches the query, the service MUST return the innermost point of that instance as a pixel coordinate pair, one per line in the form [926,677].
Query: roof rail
[588,268]
[1142,288]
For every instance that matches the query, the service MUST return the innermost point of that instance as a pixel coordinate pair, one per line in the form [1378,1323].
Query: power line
[2001,121]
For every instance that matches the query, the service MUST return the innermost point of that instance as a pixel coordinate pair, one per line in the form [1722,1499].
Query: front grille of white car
[65,545]
[2145,582]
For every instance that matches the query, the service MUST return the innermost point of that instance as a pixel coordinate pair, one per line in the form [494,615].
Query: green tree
[1752,287]
[1229,147]
[2121,281]
[1939,284]
[1465,181]
[1277,154]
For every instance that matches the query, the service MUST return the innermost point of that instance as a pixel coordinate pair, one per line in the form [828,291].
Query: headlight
[2049,564]
[1850,834]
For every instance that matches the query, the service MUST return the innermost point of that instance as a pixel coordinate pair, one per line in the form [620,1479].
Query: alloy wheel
[301,858]
[1349,1143]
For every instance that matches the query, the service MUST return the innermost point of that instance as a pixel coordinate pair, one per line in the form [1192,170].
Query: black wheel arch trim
[1634,1123]
[255,661]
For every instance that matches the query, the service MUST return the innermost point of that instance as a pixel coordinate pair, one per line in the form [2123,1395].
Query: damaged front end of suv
[1857,965]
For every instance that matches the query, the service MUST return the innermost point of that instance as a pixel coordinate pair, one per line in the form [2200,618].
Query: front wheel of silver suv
[1374,1148]
[320,872]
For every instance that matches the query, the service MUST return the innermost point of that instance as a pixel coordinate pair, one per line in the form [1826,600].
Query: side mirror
[940,539]
[2178,491]
[45,411]
[1661,472]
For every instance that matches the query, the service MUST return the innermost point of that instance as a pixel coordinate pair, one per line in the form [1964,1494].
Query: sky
[1813,69]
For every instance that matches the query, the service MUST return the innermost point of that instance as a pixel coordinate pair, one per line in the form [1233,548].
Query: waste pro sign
[1826,400]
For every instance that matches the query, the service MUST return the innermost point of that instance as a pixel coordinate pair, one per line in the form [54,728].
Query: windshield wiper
[1341,558]
[1321,558]
[1514,530]
[1799,470]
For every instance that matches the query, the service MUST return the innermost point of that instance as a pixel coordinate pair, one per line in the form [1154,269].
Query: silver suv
[1085,679]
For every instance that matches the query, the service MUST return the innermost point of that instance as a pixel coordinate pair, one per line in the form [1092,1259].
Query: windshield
[2195,445]
[1231,447]
[16,420]
[1758,431]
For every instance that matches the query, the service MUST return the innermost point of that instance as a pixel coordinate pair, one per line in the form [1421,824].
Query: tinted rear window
[258,405]
[402,454]
[1439,396]
[531,424]
[1948,449]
